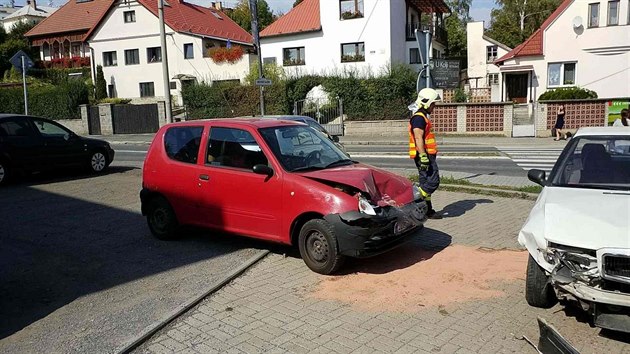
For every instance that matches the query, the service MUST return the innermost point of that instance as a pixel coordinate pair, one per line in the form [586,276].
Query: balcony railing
[438,32]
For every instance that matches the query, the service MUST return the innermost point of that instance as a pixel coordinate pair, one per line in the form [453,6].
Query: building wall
[116,35]
[478,64]
[8,24]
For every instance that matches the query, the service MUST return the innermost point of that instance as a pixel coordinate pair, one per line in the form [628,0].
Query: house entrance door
[516,87]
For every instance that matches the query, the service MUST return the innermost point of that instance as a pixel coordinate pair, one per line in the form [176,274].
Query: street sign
[16,60]
[444,73]
[263,82]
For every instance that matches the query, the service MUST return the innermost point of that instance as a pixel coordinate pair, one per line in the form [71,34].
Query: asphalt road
[80,271]
[470,159]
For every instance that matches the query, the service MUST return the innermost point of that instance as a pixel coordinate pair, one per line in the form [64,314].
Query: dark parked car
[32,144]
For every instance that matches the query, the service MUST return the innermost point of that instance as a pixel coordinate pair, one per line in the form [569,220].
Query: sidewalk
[488,180]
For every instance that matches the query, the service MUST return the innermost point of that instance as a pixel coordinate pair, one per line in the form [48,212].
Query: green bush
[59,76]
[568,93]
[460,96]
[50,101]
[115,100]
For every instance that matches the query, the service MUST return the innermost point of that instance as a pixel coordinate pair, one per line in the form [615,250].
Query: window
[17,127]
[414,56]
[613,13]
[561,74]
[173,85]
[593,15]
[130,16]
[183,143]
[491,53]
[351,52]
[188,51]
[154,55]
[493,79]
[147,89]
[132,56]
[234,148]
[49,129]
[293,56]
[111,91]
[76,49]
[270,60]
[109,59]
[349,9]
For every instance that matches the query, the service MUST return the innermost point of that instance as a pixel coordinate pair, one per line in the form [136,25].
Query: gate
[135,119]
[94,121]
[328,113]
[523,124]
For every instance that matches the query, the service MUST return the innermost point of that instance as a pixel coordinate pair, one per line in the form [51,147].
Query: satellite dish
[577,22]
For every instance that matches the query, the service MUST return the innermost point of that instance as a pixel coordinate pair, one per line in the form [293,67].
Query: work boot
[431,213]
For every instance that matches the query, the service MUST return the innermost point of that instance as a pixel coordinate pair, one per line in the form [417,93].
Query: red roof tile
[199,20]
[534,44]
[72,17]
[302,18]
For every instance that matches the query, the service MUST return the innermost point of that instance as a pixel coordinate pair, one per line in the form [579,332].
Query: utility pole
[253,8]
[167,88]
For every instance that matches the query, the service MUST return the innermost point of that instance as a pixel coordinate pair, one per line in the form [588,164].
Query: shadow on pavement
[573,310]
[423,247]
[460,208]
[55,250]
[73,174]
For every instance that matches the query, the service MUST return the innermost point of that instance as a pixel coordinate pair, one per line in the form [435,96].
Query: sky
[480,9]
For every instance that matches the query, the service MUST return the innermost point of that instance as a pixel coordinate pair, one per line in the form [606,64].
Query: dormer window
[349,9]
[130,16]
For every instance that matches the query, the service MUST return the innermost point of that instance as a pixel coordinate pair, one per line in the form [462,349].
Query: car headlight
[365,207]
[416,191]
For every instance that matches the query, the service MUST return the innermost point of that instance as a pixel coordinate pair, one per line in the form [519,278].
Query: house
[582,43]
[365,36]
[6,11]
[483,51]
[31,13]
[63,33]
[126,42]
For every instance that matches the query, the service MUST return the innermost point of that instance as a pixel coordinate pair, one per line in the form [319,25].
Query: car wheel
[161,219]
[318,247]
[98,162]
[538,289]
[4,173]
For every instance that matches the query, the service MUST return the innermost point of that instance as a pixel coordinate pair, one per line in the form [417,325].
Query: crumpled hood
[379,184]
[585,218]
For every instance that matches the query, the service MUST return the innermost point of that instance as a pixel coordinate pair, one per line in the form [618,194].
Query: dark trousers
[429,180]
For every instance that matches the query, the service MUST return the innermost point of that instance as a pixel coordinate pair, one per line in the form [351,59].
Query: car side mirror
[263,170]
[537,176]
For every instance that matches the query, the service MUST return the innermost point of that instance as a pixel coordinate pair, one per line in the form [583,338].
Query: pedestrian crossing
[542,158]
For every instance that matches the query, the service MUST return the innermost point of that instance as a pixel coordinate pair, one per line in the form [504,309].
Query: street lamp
[167,86]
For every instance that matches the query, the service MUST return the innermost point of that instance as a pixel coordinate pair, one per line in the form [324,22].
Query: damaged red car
[280,181]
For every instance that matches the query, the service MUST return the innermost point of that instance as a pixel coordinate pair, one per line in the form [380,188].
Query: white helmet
[426,96]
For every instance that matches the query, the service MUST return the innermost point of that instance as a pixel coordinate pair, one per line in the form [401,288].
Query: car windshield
[595,162]
[300,148]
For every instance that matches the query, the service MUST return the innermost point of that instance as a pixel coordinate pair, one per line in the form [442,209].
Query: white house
[365,36]
[483,51]
[6,11]
[126,42]
[583,43]
[31,13]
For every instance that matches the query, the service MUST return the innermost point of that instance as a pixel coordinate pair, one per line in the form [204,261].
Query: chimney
[32,4]
[217,5]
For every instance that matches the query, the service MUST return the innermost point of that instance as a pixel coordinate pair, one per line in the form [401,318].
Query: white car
[578,233]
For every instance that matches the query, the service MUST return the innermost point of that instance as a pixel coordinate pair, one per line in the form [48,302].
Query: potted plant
[223,54]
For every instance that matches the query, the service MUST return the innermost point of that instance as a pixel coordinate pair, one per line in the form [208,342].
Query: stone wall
[76,125]
[106,117]
[578,114]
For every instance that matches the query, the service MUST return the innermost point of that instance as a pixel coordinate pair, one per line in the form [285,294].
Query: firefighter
[423,147]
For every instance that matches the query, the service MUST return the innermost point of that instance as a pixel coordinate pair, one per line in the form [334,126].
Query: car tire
[161,219]
[538,289]
[319,248]
[98,161]
[5,173]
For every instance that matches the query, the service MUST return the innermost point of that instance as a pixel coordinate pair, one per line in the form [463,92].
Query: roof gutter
[291,33]
[217,38]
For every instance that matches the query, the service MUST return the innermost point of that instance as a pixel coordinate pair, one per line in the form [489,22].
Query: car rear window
[182,143]
[15,128]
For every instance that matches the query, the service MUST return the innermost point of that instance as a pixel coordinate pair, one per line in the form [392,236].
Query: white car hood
[585,218]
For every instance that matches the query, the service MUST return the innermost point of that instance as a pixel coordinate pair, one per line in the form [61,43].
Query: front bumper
[361,235]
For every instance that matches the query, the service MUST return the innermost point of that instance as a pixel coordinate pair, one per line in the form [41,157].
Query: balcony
[438,32]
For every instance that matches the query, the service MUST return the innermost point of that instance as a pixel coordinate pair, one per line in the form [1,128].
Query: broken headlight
[365,206]
[416,191]
[571,263]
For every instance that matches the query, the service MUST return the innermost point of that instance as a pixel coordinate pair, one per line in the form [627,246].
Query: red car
[280,181]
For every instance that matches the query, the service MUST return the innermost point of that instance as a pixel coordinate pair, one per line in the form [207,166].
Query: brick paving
[270,308]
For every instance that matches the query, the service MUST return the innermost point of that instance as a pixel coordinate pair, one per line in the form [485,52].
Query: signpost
[253,8]
[424,45]
[444,73]
[263,82]
[22,63]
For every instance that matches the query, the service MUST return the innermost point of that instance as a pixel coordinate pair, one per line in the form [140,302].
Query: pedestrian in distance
[423,147]
[559,126]
[623,121]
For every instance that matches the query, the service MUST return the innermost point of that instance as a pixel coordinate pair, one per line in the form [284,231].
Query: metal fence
[328,113]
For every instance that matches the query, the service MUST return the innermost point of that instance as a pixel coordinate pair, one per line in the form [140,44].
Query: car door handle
[204,177]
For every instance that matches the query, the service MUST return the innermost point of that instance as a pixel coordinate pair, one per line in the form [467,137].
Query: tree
[19,30]
[296,3]
[515,20]
[101,85]
[242,16]
[456,27]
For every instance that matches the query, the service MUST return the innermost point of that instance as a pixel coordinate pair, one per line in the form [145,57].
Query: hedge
[373,98]
[55,102]
[568,93]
